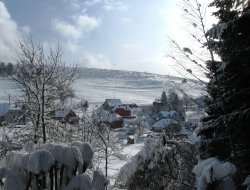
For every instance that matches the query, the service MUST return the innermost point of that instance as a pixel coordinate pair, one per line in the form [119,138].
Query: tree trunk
[51,178]
[43,112]
[61,174]
[36,127]
[106,164]
[56,181]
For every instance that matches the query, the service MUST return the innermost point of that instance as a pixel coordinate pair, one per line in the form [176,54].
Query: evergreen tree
[9,68]
[174,101]
[2,68]
[226,129]
[164,100]
[84,105]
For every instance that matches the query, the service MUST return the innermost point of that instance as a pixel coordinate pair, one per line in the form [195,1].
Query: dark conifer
[226,130]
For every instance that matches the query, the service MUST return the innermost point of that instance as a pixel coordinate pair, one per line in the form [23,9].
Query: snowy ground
[117,161]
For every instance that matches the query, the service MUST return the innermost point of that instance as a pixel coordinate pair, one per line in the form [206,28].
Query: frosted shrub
[51,166]
[160,164]
[87,153]
[13,180]
[214,173]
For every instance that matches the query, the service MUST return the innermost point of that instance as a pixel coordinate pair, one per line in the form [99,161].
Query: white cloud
[8,34]
[26,29]
[115,6]
[72,47]
[65,29]
[126,20]
[74,4]
[92,2]
[132,46]
[87,23]
[78,4]
[99,60]
[82,25]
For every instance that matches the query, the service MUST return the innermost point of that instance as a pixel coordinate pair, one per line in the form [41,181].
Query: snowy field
[95,85]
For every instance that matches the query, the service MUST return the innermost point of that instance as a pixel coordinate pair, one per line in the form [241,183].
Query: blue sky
[111,34]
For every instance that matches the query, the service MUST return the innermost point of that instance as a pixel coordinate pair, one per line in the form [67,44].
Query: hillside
[95,85]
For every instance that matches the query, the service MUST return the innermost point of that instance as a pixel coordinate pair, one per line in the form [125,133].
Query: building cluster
[112,112]
[12,114]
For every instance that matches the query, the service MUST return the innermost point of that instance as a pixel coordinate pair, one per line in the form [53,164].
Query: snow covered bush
[51,166]
[13,180]
[213,173]
[87,153]
[247,182]
[161,164]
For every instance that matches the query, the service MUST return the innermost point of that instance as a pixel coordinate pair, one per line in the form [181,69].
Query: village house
[66,116]
[116,106]
[11,114]
[193,118]
[168,125]
[4,107]
[122,110]
[109,104]
[15,115]
[169,115]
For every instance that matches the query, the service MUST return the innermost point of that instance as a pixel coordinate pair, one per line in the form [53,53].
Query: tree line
[7,69]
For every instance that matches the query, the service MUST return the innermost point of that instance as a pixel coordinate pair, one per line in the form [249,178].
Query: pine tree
[226,129]
[164,100]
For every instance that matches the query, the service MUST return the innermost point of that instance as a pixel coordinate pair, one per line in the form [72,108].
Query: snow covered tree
[43,79]
[164,100]
[2,69]
[50,166]
[226,129]
[106,143]
[84,105]
[10,69]
[161,164]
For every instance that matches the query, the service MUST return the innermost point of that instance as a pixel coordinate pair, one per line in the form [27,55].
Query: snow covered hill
[95,85]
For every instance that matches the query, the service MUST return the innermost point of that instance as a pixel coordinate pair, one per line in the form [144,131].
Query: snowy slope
[131,87]
[95,85]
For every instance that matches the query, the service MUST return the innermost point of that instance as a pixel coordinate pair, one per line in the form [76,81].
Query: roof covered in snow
[113,102]
[14,109]
[63,113]
[195,115]
[169,114]
[164,123]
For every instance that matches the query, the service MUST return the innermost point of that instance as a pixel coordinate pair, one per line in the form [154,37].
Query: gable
[71,113]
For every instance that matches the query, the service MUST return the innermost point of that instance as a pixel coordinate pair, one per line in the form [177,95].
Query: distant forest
[7,69]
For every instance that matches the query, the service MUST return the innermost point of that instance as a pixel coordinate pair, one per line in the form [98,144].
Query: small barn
[66,116]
